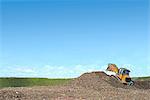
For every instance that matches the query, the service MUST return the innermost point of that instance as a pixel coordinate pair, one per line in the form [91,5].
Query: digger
[121,74]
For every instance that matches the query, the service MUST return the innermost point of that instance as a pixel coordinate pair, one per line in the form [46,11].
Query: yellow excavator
[121,74]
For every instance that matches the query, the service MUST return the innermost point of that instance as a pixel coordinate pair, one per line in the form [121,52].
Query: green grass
[29,82]
[142,78]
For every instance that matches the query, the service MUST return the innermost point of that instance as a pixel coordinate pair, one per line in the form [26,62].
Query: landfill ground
[89,86]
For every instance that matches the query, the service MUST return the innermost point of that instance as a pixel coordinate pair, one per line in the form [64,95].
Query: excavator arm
[113,68]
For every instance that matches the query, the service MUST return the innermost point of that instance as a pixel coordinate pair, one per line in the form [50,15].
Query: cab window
[126,72]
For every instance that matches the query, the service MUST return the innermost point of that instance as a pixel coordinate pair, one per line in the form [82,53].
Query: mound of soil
[98,80]
[142,84]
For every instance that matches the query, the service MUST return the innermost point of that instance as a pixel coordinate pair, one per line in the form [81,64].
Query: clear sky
[64,38]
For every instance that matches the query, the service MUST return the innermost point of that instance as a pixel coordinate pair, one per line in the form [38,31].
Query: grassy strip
[142,78]
[26,82]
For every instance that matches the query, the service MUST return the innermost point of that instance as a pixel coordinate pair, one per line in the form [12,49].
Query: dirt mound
[95,80]
[98,80]
[142,84]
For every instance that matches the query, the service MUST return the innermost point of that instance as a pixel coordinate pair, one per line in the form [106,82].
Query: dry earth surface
[89,86]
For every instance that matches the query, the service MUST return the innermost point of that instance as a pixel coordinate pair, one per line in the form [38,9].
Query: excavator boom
[113,68]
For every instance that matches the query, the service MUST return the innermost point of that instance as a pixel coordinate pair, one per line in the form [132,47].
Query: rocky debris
[8,94]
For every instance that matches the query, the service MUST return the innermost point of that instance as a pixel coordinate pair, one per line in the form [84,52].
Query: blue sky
[64,38]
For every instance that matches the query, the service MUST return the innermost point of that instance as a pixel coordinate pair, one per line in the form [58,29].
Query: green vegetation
[27,82]
[141,78]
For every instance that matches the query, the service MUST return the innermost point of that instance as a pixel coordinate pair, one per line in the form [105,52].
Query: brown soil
[89,86]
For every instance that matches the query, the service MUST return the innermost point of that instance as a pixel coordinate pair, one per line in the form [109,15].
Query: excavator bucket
[113,68]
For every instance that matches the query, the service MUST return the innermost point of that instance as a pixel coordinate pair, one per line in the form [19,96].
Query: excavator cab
[124,71]
[123,75]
